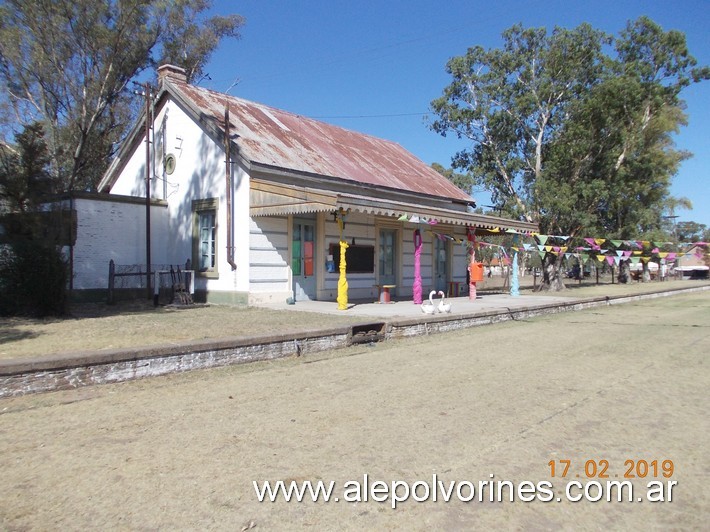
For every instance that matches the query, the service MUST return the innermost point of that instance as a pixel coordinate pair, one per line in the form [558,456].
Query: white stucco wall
[112,229]
[199,174]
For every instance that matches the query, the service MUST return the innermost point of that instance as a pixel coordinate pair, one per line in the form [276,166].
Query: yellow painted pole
[342,280]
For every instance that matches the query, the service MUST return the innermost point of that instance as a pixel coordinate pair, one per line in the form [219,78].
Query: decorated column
[471,237]
[417,285]
[342,280]
[515,282]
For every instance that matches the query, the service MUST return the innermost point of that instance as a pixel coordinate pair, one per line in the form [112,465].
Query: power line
[368,53]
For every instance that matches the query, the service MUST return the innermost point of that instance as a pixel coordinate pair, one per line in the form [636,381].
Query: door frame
[398,255]
[435,263]
[313,287]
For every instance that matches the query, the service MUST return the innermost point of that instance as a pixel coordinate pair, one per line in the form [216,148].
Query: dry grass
[101,327]
[131,324]
[180,452]
[605,288]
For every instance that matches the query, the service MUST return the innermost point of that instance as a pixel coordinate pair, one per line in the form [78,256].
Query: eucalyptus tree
[463,181]
[689,232]
[572,128]
[68,64]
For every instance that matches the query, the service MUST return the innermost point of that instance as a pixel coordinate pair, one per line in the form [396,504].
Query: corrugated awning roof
[272,200]
[383,207]
[267,199]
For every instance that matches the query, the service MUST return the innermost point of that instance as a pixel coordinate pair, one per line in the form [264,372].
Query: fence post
[156,287]
[111,279]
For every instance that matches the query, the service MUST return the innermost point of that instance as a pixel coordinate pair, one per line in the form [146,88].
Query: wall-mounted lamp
[336,214]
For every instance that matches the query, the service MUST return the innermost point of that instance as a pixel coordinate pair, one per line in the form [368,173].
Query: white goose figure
[429,308]
[443,305]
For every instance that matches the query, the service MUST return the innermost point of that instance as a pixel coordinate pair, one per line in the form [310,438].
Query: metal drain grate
[368,333]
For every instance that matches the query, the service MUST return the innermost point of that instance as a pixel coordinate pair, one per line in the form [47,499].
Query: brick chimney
[172,73]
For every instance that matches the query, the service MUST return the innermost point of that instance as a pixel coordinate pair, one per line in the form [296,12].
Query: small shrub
[33,280]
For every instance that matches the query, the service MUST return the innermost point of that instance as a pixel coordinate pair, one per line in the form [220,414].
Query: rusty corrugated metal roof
[281,139]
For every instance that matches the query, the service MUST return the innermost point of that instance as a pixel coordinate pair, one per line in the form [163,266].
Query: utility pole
[147,90]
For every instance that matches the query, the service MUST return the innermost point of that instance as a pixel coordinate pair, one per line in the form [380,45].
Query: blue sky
[374,66]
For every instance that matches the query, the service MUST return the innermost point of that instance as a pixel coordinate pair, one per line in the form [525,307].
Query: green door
[387,273]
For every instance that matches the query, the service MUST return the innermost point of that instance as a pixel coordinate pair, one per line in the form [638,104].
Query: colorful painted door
[303,253]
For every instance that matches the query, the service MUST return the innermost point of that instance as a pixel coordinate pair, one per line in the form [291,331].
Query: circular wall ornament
[169,163]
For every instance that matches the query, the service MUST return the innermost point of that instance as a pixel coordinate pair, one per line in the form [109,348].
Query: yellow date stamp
[600,468]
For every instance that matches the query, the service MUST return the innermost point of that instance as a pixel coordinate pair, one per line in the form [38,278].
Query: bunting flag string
[617,250]
[611,256]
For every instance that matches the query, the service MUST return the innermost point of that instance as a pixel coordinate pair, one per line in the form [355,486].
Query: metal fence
[171,283]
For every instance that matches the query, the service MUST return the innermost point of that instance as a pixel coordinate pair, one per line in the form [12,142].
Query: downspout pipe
[230,191]
[148,273]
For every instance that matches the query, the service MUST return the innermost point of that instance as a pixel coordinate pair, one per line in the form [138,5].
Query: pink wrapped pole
[417,286]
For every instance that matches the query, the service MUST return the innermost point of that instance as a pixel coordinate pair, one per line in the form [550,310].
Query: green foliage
[24,175]
[463,181]
[189,42]
[68,63]
[690,232]
[573,129]
[33,280]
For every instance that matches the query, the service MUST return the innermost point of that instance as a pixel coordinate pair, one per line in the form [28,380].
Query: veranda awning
[383,207]
[267,199]
[277,200]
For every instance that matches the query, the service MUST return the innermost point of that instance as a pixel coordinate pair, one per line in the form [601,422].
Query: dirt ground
[618,383]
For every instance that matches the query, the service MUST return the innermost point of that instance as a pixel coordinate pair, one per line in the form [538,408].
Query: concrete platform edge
[74,370]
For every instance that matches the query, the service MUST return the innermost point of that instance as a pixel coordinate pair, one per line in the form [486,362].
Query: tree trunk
[624,271]
[646,277]
[551,279]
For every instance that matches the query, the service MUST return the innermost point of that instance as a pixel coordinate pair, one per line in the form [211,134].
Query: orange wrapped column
[475,270]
